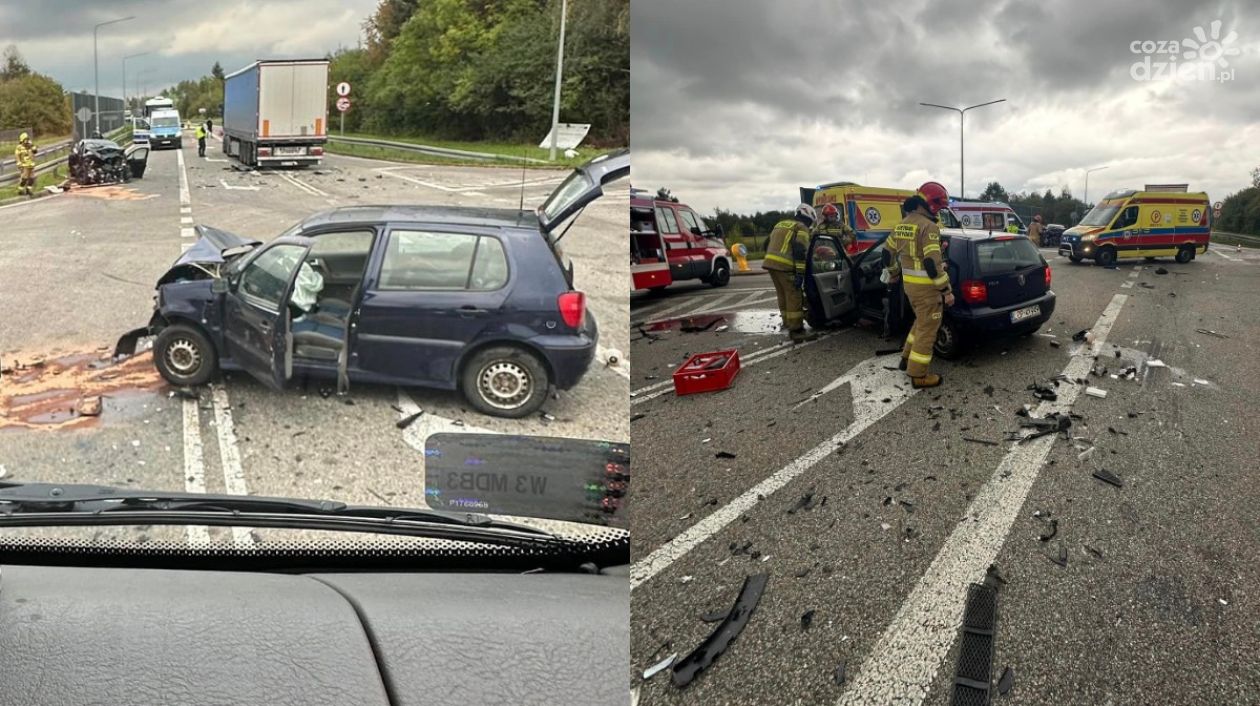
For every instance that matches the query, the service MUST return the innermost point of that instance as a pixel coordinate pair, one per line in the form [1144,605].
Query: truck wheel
[184,356]
[721,275]
[1185,254]
[1106,257]
[505,381]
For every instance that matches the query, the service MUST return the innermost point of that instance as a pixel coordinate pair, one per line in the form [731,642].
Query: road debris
[1160,271]
[1107,476]
[1084,455]
[1043,391]
[1197,381]
[1006,681]
[974,668]
[807,619]
[715,644]
[724,454]
[1211,333]
[839,676]
[409,420]
[1080,335]
[715,616]
[659,666]
[1055,344]
[1095,392]
[1062,558]
[1155,363]
[1093,551]
[1054,529]
[89,406]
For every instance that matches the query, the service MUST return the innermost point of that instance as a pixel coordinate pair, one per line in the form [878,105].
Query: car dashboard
[160,636]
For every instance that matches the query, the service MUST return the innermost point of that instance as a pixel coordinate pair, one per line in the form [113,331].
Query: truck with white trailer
[275,113]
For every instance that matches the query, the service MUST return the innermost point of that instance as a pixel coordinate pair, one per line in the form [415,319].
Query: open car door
[137,157]
[828,280]
[583,186]
[257,327]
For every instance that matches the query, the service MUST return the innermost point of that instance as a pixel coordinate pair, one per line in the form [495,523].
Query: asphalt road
[79,270]
[869,510]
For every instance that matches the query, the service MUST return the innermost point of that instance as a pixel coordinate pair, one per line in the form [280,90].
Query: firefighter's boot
[929,380]
[902,364]
[802,336]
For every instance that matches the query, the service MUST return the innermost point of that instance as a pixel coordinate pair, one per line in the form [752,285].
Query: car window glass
[993,221]
[690,219]
[490,269]
[570,191]
[641,220]
[665,220]
[825,254]
[266,278]
[1127,217]
[1004,256]
[946,219]
[342,255]
[1100,215]
[427,260]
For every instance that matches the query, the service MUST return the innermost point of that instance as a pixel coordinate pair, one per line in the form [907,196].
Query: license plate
[290,150]
[1025,313]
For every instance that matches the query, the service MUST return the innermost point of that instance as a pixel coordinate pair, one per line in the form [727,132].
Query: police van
[871,211]
[1150,224]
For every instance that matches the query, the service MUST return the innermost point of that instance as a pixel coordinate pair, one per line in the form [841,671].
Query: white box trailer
[275,113]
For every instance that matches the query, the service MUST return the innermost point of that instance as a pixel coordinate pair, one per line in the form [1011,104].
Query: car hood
[1084,230]
[215,246]
[583,186]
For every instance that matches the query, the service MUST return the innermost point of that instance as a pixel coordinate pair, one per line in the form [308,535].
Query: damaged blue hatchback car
[478,300]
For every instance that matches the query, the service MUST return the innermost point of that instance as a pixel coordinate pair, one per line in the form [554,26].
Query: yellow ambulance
[871,211]
[1150,224]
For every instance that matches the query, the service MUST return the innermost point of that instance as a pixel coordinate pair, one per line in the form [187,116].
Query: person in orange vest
[785,261]
[913,256]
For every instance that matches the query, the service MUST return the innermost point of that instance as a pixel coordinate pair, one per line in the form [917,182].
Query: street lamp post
[96,74]
[962,184]
[1087,171]
[555,107]
[124,81]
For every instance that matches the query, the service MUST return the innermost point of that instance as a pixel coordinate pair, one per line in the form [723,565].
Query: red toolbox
[707,372]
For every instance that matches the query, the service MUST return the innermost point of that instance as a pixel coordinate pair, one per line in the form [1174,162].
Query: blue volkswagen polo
[472,299]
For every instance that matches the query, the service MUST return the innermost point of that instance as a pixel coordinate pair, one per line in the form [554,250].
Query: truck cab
[665,231]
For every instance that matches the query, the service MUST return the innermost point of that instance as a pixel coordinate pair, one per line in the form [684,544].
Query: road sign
[1217,206]
[343,104]
[343,89]
[84,114]
[1216,213]
[570,136]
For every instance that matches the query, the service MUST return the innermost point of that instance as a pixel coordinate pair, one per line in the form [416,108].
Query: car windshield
[1101,214]
[166,121]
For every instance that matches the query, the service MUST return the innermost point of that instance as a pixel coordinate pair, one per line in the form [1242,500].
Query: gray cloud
[738,102]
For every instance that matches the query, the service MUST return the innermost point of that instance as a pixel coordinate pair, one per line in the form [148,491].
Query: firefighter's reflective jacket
[841,232]
[789,243]
[915,250]
[25,155]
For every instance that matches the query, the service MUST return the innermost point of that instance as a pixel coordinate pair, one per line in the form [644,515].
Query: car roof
[452,215]
[976,235]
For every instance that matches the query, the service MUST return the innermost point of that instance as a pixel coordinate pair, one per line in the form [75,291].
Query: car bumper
[570,356]
[155,141]
[1077,249]
[997,320]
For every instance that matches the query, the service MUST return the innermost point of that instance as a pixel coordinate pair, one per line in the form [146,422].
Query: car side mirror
[696,231]
[220,286]
[720,233]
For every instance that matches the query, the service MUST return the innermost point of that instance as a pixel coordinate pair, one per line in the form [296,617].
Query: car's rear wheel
[949,339]
[1107,257]
[505,381]
[184,356]
[1185,254]
[721,275]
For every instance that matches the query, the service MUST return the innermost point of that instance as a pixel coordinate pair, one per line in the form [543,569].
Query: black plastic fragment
[1007,681]
[1107,476]
[1054,529]
[973,672]
[807,619]
[1093,551]
[981,441]
[1160,271]
[1080,335]
[700,659]
[1061,560]
[715,616]
[409,420]
[724,454]
[637,417]
[805,502]
[840,673]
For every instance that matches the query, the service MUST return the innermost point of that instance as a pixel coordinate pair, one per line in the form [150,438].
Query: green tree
[14,65]
[217,71]
[34,101]
[994,192]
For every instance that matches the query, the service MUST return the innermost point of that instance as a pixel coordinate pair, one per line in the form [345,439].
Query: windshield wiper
[50,504]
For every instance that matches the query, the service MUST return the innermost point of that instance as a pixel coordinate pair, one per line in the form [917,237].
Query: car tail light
[317,151]
[974,291]
[1047,276]
[1005,237]
[573,308]
[264,151]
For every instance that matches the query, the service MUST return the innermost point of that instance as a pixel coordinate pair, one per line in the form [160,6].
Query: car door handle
[265,327]
[469,311]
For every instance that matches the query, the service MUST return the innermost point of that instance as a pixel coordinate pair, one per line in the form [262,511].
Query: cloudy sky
[736,103]
[184,38]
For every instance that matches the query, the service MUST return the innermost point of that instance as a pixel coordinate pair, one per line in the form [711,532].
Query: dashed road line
[230,453]
[1231,258]
[194,466]
[903,664]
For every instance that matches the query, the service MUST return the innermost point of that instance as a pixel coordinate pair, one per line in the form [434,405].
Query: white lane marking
[718,303]
[1231,258]
[656,389]
[185,220]
[388,171]
[184,198]
[194,466]
[755,298]
[475,193]
[212,159]
[186,232]
[185,210]
[230,453]
[237,188]
[1126,285]
[622,367]
[905,659]
[888,389]
[669,302]
[31,201]
[302,185]
[685,303]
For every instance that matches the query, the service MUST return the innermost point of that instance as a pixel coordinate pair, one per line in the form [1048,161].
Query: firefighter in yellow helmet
[913,255]
[836,228]
[25,156]
[785,261]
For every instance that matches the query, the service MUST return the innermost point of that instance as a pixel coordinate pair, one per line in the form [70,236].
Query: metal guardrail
[1244,239]
[9,175]
[435,151]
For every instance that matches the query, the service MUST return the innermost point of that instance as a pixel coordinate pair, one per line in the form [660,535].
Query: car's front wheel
[505,381]
[721,275]
[184,356]
[1106,257]
[1075,260]
[949,339]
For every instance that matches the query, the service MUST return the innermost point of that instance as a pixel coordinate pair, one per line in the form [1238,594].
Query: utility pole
[124,83]
[962,112]
[96,74]
[555,107]
[1087,171]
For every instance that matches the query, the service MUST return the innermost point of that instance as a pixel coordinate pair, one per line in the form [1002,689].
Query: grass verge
[511,153]
[56,176]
